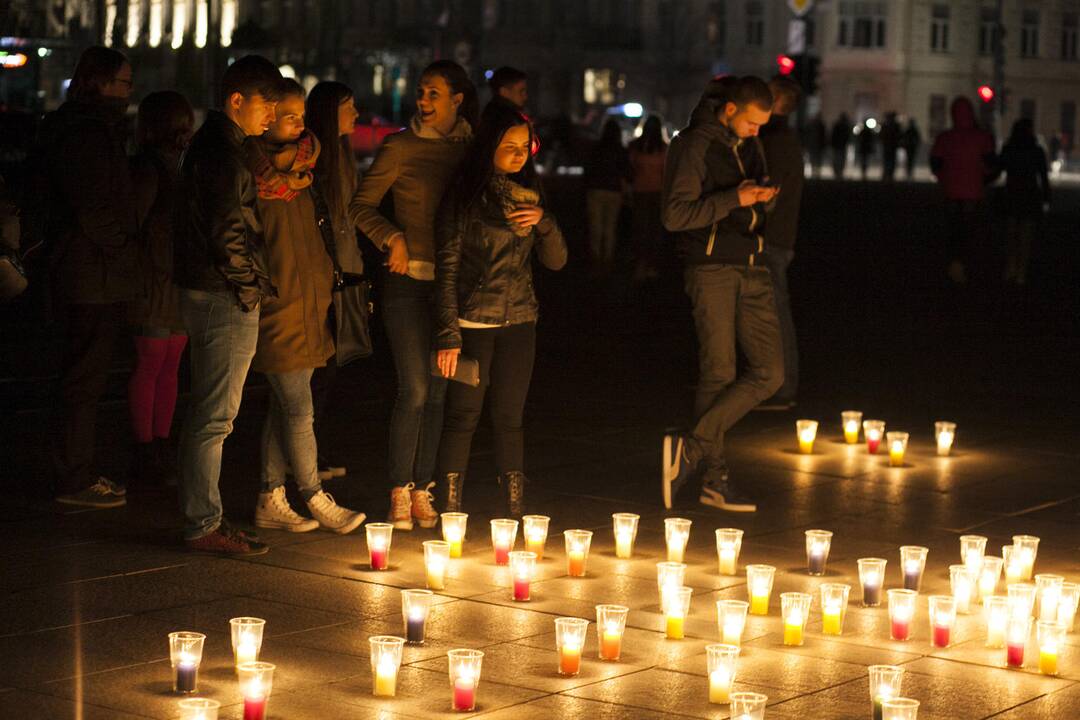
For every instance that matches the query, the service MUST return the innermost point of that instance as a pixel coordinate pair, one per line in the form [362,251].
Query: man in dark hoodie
[715,196]
[221,271]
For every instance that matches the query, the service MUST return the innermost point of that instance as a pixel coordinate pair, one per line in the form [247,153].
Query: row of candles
[874,432]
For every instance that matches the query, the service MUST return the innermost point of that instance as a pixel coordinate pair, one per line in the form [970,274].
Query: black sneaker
[102,494]
[719,492]
[676,468]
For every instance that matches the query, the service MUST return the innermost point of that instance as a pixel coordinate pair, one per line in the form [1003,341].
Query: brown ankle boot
[514,483]
[455,485]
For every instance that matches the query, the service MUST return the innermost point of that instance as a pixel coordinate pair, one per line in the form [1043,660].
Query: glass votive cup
[464,677]
[676,534]
[942,619]
[806,432]
[944,435]
[795,610]
[912,564]
[522,568]
[675,604]
[899,709]
[872,578]
[256,683]
[1027,547]
[535,528]
[901,612]
[379,537]
[874,432]
[722,661]
[1016,637]
[199,709]
[569,641]
[436,560]
[185,656]
[972,550]
[748,705]
[817,550]
[1014,570]
[669,575]
[731,620]
[415,607]
[1048,595]
[990,575]
[963,583]
[850,420]
[247,637]
[1070,597]
[453,531]
[728,546]
[897,442]
[610,626]
[1021,599]
[503,538]
[759,584]
[385,662]
[834,600]
[885,681]
[577,551]
[996,616]
[1051,638]
[625,526]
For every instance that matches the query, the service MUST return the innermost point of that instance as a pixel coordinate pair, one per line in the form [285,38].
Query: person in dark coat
[838,144]
[815,141]
[92,226]
[163,130]
[910,140]
[607,173]
[866,146]
[1027,194]
[511,86]
[647,156]
[890,144]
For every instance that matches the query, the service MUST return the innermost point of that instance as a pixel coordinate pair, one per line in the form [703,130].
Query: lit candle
[1067,603]
[1048,660]
[625,526]
[185,654]
[759,582]
[464,692]
[576,562]
[536,533]
[817,550]
[874,430]
[378,541]
[1028,547]
[961,581]
[577,551]
[611,642]
[830,619]
[997,620]
[807,432]
[385,661]
[989,576]
[436,558]
[885,681]
[464,668]
[247,635]
[898,442]
[794,607]
[972,551]
[728,544]
[256,682]
[246,650]
[415,626]
[187,674]
[1049,594]
[453,530]
[610,625]
[569,640]
[793,628]
[569,659]
[722,661]
[415,605]
[871,575]
[851,419]
[731,616]
[944,433]
[676,533]
[719,687]
[503,535]
[676,606]
[1051,636]
[1021,599]
[901,611]
[913,561]
[1016,640]
[942,619]
[385,678]
[522,566]
[1014,570]
[834,598]
[198,709]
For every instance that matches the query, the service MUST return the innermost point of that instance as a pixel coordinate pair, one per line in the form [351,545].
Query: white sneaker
[332,516]
[274,511]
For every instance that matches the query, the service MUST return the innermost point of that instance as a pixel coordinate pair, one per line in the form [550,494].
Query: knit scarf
[283,184]
[509,195]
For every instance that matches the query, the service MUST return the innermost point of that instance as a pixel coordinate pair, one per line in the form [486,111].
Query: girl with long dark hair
[490,222]
[647,156]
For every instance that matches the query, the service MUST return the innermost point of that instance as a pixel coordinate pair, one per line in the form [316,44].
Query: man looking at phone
[715,196]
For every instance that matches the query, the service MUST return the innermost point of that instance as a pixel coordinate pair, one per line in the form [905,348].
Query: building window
[939,28]
[110,22]
[599,86]
[862,24]
[716,25]
[755,24]
[228,21]
[937,114]
[1068,36]
[988,29]
[1029,34]
[1027,109]
[134,16]
[157,20]
[179,23]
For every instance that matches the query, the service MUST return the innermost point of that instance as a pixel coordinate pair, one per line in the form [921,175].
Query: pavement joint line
[39,631]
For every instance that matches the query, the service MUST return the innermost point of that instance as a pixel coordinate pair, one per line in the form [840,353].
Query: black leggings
[506,357]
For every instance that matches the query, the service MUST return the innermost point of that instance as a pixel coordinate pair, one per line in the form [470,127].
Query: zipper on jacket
[712,240]
[742,171]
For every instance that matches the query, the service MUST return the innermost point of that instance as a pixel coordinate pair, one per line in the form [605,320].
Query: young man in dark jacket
[221,271]
[716,194]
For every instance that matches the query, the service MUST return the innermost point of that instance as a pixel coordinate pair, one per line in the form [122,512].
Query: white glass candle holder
[748,705]
[897,442]
[436,560]
[1027,548]
[1016,637]
[675,604]
[522,568]
[1014,569]
[569,641]
[901,612]
[963,584]
[731,620]
[465,668]
[610,626]
[577,551]
[503,537]
[818,543]
[996,615]
[900,709]
[834,601]
[453,531]
[851,420]
[669,575]
[385,662]
[676,533]
[795,610]
[1048,595]
[247,637]
[806,433]
[185,656]
[874,432]
[1070,597]
[872,578]
[379,537]
[989,576]
[722,662]
[759,584]
[625,526]
[942,619]
[535,528]
[1051,638]
[912,565]
[415,608]
[1021,599]
[256,683]
[972,550]
[885,682]
[944,436]
[198,709]
[728,546]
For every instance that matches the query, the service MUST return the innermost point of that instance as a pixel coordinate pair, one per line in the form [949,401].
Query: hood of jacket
[703,120]
[963,114]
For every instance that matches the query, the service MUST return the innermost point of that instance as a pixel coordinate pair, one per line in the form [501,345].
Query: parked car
[369,132]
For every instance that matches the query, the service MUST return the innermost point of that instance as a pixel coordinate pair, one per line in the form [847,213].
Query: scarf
[461,132]
[299,158]
[509,195]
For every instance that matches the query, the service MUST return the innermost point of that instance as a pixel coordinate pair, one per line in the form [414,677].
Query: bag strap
[326,229]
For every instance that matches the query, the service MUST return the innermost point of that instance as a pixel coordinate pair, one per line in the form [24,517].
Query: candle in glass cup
[385,661]
[669,575]
[676,533]
[379,536]
[577,551]
[1027,547]
[989,576]
[535,528]
[759,584]
[795,609]
[898,442]
[415,606]
[610,626]
[899,709]
[503,537]
[453,531]
[436,558]
[522,566]
[185,656]
[1021,599]
[834,600]
[944,435]
[972,551]
[247,636]
[1014,569]
[1067,603]
[901,612]
[1016,636]
[806,431]
[996,614]
[1048,594]
[817,550]
[873,431]
[731,618]
[962,582]
[942,619]
[748,705]
[728,545]
[198,709]
[851,420]
[625,526]
[569,641]
[256,682]
[722,661]
[912,563]
[464,677]
[885,681]
[872,577]
[676,606]
[1051,637]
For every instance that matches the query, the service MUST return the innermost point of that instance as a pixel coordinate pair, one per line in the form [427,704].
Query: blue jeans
[778,260]
[417,419]
[223,339]
[288,436]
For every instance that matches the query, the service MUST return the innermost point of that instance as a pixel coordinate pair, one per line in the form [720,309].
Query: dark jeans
[417,419]
[778,260]
[506,357]
[89,341]
[733,309]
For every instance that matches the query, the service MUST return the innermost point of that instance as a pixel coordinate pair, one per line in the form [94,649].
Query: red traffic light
[785,64]
[986,93]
